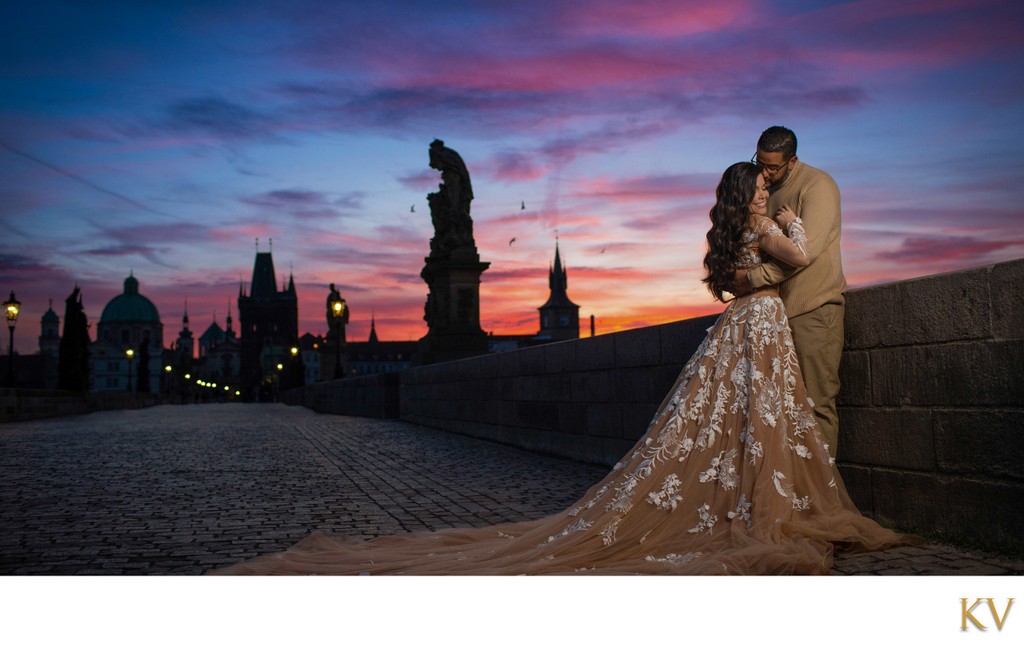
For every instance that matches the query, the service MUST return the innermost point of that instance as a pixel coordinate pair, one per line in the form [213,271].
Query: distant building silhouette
[185,344]
[129,321]
[269,327]
[181,361]
[39,371]
[559,316]
[312,348]
[376,356]
[49,348]
[220,354]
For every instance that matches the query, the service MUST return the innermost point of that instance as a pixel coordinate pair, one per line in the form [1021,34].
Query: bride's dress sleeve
[789,248]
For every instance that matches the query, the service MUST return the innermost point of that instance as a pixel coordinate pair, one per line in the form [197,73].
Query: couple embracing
[736,472]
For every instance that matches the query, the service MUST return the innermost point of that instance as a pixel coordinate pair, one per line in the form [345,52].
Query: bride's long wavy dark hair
[729,218]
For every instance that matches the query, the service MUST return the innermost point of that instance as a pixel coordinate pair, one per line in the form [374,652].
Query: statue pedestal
[453,309]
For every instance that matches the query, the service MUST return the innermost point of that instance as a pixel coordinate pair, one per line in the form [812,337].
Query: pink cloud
[656,18]
[514,167]
[427,180]
[945,33]
[650,188]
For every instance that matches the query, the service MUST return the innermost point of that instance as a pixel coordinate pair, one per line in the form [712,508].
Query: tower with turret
[268,325]
[559,316]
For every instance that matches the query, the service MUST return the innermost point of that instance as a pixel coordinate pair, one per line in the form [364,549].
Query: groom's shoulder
[816,176]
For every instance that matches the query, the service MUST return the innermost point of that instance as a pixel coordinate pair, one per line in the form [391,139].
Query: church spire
[229,332]
[559,316]
[373,329]
[558,280]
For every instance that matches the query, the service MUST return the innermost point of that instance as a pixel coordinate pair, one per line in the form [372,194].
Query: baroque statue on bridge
[449,205]
[452,271]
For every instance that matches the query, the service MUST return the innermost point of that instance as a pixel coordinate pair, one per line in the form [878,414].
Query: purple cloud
[946,251]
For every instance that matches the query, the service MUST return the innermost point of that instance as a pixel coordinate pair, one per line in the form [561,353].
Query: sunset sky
[163,139]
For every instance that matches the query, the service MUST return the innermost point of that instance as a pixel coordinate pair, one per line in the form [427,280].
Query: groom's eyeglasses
[771,169]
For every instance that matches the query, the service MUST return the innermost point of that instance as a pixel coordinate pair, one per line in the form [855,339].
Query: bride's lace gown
[730,477]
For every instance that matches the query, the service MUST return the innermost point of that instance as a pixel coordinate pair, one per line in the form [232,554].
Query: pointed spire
[373,328]
[558,258]
[557,278]
[558,282]
[184,319]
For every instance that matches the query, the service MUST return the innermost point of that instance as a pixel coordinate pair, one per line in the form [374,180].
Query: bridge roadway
[184,489]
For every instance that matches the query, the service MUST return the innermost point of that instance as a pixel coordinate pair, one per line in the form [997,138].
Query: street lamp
[167,379]
[11,308]
[338,308]
[130,353]
[294,378]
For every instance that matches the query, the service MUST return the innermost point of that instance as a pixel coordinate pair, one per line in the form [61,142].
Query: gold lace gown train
[731,477]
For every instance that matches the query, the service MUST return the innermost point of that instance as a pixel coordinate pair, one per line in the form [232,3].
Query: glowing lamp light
[11,309]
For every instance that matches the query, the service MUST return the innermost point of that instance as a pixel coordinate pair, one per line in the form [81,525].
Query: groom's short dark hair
[778,139]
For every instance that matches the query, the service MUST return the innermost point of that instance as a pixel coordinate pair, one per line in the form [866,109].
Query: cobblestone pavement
[184,489]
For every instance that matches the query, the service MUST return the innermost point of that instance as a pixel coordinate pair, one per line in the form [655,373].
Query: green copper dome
[130,306]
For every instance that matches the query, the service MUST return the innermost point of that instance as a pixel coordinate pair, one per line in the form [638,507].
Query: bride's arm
[791,250]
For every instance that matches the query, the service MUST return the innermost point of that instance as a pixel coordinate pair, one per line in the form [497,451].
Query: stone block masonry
[585,399]
[932,407]
[362,396]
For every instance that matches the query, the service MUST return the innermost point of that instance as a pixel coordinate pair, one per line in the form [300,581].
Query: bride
[731,477]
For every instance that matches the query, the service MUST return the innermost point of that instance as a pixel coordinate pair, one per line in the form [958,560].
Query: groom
[813,295]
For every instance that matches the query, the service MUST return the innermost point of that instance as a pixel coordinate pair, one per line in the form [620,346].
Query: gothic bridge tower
[269,323]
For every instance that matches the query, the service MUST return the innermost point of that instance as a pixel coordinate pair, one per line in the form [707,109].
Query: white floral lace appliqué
[668,497]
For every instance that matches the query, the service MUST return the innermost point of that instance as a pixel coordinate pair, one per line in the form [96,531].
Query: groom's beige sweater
[814,196]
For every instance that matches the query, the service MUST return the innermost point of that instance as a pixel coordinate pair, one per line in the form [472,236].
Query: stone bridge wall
[18,404]
[932,405]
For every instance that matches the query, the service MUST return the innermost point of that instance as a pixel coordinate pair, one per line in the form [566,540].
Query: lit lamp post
[293,372]
[130,353]
[11,308]
[339,318]
[277,381]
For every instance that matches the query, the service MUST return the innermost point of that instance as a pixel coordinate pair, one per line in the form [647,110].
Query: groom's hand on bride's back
[741,284]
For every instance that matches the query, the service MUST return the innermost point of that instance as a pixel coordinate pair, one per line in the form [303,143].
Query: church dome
[130,306]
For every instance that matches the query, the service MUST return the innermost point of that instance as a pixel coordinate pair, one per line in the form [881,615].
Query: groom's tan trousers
[818,336]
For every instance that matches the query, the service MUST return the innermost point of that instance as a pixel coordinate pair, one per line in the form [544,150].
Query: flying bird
[511,241]
[412,209]
[523,208]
